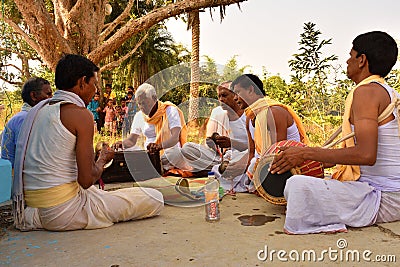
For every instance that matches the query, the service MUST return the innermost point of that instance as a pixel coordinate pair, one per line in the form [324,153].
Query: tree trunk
[195,68]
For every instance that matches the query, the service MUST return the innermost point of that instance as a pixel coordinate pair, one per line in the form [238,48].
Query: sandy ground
[248,228]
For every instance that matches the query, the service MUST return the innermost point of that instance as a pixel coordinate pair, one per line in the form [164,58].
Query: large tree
[53,28]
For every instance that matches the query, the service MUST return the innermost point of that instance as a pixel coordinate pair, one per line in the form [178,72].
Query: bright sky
[266,32]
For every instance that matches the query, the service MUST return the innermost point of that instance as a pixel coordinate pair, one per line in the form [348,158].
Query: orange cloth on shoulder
[160,121]
[258,110]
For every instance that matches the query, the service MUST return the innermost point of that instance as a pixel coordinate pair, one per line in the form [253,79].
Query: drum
[270,186]
[132,166]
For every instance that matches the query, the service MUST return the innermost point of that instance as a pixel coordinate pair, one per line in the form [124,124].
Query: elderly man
[33,91]
[162,124]
[229,121]
[366,186]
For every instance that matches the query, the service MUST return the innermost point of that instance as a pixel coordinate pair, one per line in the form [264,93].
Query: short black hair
[34,84]
[379,48]
[247,80]
[71,68]
[109,85]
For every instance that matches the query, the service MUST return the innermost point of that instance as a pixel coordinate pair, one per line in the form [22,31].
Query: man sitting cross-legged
[366,185]
[229,123]
[162,124]
[55,166]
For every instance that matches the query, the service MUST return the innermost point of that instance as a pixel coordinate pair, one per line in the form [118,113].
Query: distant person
[119,119]
[110,118]
[33,91]
[365,188]
[55,167]
[109,93]
[131,111]
[94,107]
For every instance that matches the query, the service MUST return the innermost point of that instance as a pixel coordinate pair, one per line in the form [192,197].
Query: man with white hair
[163,125]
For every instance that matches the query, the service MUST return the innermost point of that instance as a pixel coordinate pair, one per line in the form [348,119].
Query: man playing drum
[366,187]
[267,122]
[162,124]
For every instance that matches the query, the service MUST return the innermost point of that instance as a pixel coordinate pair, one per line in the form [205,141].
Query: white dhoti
[94,208]
[318,205]
[173,158]
[389,207]
[199,157]
[240,183]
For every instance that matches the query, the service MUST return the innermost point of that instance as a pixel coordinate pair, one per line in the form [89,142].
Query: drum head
[270,186]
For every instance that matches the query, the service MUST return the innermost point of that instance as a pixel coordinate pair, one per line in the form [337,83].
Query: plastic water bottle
[211,194]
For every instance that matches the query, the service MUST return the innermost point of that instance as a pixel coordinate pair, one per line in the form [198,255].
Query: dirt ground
[249,231]
[6,218]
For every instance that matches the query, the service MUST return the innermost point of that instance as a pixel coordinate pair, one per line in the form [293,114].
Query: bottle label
[212,211]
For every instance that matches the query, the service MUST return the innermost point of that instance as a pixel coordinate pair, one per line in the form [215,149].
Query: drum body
[132,166]
[270,186]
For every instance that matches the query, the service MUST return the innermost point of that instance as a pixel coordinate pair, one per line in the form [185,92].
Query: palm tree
[194,24]
[156,53]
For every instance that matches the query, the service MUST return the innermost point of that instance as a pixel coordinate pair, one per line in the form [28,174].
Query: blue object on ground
[5,180]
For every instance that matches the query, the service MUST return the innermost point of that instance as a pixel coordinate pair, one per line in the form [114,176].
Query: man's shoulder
[372,90]
[172,110]
[17,118]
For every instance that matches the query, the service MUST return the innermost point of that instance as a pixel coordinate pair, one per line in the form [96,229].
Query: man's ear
[81,82]
[33,96]
[251,89]
[362,60]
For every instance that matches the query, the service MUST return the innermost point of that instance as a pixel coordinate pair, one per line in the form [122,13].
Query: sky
[266,32]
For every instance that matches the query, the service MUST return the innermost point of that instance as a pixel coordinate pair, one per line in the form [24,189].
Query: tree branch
[11,65]
[75,9]
[134,26]
[114,64]
[26,37]
[9,81]
[47,37]
[111,26]
[10,50]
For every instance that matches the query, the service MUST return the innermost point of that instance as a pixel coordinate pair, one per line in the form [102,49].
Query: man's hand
[223,141]
[153,148]
[287,158]
[106,154]
[236,168]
